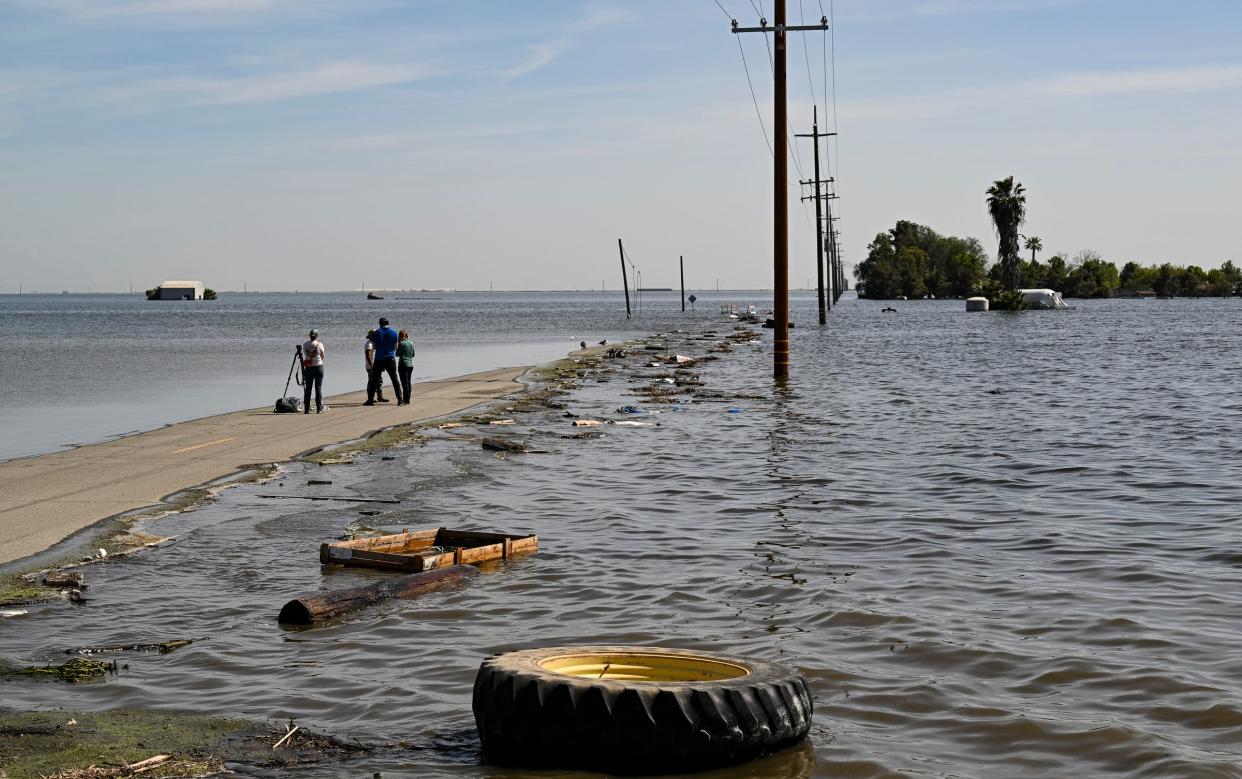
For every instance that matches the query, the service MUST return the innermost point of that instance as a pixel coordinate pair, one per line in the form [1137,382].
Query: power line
[753,98]
[832,32]
[728,15]
[807,55]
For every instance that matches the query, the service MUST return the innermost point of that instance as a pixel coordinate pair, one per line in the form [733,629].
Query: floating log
[320,606]
[501,445]
[163,647]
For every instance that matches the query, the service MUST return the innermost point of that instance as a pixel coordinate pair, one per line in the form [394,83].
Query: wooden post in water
[624,279]
[681,261]
[780,187]
[780,182]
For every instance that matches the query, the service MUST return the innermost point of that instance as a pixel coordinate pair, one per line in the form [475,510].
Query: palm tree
[1033,244]
[1007,207]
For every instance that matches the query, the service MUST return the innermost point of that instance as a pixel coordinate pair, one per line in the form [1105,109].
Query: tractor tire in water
[635,709]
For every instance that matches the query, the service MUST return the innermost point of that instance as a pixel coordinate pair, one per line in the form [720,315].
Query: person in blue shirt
[385,340]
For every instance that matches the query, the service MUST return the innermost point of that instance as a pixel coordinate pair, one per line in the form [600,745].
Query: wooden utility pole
[780,186]
[681,262]
[624,279]
[818,197]
[838,276]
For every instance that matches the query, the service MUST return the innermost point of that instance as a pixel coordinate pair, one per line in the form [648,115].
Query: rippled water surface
[997,545]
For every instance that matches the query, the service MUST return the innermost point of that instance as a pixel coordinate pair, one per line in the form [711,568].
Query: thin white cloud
[1070,86]
[329,78]
[541,55]
[121,8]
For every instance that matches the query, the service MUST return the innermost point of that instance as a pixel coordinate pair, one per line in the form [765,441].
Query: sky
[468,144]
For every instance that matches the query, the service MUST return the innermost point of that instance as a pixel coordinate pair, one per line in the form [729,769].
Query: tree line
[915,261]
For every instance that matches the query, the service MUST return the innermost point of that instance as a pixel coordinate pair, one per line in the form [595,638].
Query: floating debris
[163,647]
[501,445]
[337,461]
[313,482]
[7,613]
[63,579]
[76,670]
[587,422]
[330,497]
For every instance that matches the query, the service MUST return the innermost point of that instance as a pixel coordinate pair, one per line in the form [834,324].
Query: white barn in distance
[180,290]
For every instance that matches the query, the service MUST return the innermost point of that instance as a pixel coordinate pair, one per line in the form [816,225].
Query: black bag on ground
[288,405]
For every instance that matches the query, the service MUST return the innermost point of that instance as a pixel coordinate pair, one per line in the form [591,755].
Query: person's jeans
[406,372]
[312,376]
[378,369]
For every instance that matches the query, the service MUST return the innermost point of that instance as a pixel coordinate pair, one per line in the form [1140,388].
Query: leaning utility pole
[681,261]
[624,279]
[780,182]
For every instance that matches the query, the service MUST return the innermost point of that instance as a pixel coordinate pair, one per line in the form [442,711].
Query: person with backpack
[368,362]
[385,340]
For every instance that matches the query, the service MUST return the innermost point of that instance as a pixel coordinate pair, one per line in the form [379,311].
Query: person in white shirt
[368,356]
[313,352]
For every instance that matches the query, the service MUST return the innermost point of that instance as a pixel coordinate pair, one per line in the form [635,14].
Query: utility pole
[624,279]
[838,276]
[780,183]
[681,262]
[815,135]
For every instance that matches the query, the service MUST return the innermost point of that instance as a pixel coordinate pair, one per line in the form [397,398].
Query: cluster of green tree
[915,261]
[1090,276]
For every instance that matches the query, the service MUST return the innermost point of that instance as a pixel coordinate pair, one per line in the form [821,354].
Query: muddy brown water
[997,545]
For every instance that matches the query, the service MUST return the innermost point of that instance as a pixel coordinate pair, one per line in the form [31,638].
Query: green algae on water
[43,743]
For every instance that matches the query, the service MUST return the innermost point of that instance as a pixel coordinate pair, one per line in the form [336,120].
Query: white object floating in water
[6,613]
[977,304]
[587,422]
[501,422]
[1043,298]
[630,423]
[101,553]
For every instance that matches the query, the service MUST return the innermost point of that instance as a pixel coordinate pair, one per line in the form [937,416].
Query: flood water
[998,545]
[78,369]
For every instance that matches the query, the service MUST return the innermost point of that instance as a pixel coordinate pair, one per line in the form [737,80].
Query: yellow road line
[200,446]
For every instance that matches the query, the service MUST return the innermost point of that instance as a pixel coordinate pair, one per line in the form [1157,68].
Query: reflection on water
[997,545]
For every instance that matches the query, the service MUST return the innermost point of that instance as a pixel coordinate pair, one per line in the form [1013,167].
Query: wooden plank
[401,551]
[477,554]
[395,539]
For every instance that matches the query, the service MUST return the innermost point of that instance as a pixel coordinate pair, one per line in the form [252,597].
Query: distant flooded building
[179,290]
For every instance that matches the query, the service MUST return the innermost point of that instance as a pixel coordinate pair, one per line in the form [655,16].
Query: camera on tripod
[290,404]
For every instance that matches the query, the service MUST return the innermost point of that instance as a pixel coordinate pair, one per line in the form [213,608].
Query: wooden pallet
[411,552]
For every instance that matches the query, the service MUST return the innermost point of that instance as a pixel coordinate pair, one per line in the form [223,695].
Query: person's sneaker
[369,403]
[321,410]
[383,400]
